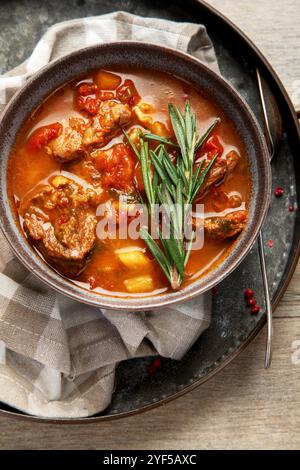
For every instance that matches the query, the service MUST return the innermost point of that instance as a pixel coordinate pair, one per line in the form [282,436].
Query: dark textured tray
[232,326]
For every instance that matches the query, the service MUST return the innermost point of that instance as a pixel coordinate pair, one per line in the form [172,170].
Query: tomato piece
[107,80]
[87,98]
[105,95]
[89,104]
[213,146]
[127,93]
[43,135]
[117,167]
[86,89]
[63,219]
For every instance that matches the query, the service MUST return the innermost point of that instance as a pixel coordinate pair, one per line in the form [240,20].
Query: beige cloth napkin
[57,356]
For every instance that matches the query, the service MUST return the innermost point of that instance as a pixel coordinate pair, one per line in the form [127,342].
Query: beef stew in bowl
[78,150]
[126,133]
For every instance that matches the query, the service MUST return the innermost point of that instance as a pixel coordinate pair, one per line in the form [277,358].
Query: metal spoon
[276,130]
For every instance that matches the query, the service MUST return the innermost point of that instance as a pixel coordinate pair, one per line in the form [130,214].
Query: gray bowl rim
[34,263]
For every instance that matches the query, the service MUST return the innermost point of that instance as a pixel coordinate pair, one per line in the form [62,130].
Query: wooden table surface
[244,406]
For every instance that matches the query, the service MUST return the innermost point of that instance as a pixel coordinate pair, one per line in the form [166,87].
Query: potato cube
[146,108]
[58,181]
[107,80]
[133,259]
[139,284]
[160,129]
[145,119]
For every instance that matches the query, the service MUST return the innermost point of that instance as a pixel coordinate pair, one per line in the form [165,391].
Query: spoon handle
[268,354]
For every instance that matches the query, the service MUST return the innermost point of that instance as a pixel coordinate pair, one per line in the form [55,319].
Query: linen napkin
[58,356]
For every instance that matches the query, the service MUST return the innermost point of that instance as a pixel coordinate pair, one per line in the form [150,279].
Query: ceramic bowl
[157,58]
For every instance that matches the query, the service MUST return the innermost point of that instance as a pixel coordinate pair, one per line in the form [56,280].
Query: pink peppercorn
[255,310]
[279,192]
[251,303]
[248,293]
[154,366]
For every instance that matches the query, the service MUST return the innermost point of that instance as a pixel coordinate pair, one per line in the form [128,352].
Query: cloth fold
[58,356]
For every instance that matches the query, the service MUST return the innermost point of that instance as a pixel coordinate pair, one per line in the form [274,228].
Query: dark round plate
[232,327]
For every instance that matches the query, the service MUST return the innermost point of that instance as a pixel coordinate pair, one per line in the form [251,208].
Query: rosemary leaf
[179,115]
[181,173]
[178,125]
[150,136]
[158,149]
[158,166]
[169,167]
[131,144]
[176,254]
[196,174]
[160,170]
[202,139]
[146,172]
[154,186]
[171,218]
[189,248]
[189,129]
[202,178]
[165,247]
[179,207]
[156,252]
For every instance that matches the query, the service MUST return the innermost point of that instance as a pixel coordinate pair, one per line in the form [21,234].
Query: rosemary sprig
[174,185]
[158,138]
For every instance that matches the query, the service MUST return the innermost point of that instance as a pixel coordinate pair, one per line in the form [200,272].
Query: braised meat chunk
[60,222]
[220,228]
[112,115]
[68,145]
[72,140]
[232,159]
[223,166]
